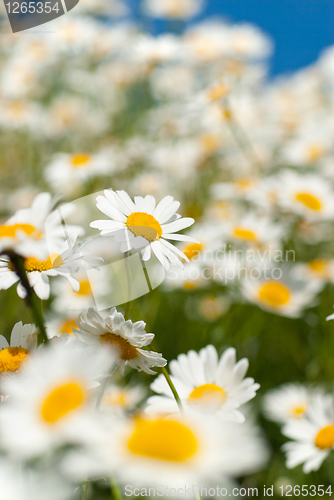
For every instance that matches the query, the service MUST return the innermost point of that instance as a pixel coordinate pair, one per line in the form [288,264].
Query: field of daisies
[166,261]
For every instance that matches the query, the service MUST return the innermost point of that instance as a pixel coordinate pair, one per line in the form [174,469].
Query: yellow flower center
[216,93]
[244,234]
[85,288]
[298,411]
[211,143]
[66,327]
[126,350]
[208,394]
[11,358]
[325,438]
[211,308]
[116,398]
[80,160]
[61,401]
[163,440]
[309,201]
[31,264]
[144,225]
[193,250]
[244,184]
[275,294]
[319,266]
[315,152]
[9,231]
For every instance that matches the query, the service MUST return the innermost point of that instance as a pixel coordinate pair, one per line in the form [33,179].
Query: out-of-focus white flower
[121,399]
[23,339]
[286,296]
[51,403]
[122,338]
[69,172]
[142,223]
[172,8]
[306,195]
[254,229]
[207,384]
[287,402]
[313,435]
[150,451]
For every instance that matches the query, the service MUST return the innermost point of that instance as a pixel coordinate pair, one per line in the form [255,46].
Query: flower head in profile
[142,223]
[122,338]
[312,436]
[23,340]
[206,384]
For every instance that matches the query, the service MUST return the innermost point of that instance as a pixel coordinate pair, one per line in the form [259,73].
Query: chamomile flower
[313,435]
[51,403]
[281,293]
[23,340]
[32,230]
[145,224]
[66,264]
[172,8]
[307,195]
[206,384]
[122,338]
[253,229]
[122,399]
[68,172]
[287,402]
[148,451]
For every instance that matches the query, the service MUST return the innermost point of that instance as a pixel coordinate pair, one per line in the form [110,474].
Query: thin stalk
[172,388]
[115,490]
[128,279]
[84,491]
[104,384]
[31,298]
[146,274]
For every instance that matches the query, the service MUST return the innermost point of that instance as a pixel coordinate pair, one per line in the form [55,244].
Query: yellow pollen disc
[85,288]
[11,358]
[325,438]
[80,160]
[211,143]
[193,250]
[319,267]
[62,401]
[67,326]
[208,394]
[244,184]
[31,264]
[163,440]
[9,231]
[216,93]
[315,152]
[126,350]
[274,294]
[116,398]
[298,411]
[309,201]
[190,285]
[244,234]
[144,225]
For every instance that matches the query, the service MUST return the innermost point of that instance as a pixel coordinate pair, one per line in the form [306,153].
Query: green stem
[115,490]
[172,388]
[18,263]
[84,491]
[128,279]
[146,275]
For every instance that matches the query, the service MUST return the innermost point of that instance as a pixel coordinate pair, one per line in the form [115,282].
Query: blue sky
[300,28]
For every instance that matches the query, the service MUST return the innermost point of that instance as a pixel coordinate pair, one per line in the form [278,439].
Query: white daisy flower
[207,384]
[66,264]
[143,221]
[51,403]
[68,172]
[56,327]
[289,401]
[313,436]
[149,451]
[31,231]
[23,340]
[321,270]
[287,296]
[307,195]
[123,339]
[254,229]
[172,8]
[121,399]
